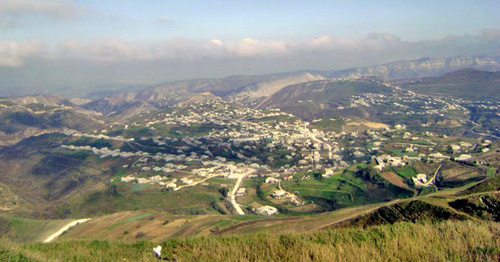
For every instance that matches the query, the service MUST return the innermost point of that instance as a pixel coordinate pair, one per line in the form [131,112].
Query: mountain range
[254,90]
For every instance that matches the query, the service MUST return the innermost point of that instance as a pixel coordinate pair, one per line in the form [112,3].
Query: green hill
[321,98]
[467,84]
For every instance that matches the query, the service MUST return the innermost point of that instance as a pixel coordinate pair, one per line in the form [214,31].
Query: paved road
[64,229]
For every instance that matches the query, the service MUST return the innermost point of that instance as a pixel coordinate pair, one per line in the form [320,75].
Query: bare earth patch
[369,124]
[395,180]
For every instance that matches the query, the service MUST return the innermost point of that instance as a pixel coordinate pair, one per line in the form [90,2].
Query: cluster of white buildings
[160,180]
[106,152]
[74,133]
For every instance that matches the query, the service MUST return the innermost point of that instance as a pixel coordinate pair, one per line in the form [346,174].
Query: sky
[72,47]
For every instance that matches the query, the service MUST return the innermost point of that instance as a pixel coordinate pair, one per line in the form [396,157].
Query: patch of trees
[367,173]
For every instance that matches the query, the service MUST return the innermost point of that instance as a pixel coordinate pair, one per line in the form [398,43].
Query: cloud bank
[108,61]
[13,10]
[382,45]
[60,9]
[13,54]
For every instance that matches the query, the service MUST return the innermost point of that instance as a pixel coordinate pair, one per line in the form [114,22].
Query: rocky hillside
[37,99]
[425,67]
[268,88]
[201,97]
[260,89]
[315,98]
[235,88]
[27,116]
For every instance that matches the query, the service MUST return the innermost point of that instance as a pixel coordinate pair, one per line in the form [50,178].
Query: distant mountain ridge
[321,98]
[268,88]
[257,90]
[236,88]
[26,116]
[466,83]
[424,67]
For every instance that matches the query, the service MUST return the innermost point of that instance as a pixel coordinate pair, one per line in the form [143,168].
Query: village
[244,143]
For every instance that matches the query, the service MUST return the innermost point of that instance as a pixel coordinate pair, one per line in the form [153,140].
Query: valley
[282,154]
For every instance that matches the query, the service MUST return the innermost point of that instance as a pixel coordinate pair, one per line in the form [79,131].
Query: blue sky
[230,20]
[184,39]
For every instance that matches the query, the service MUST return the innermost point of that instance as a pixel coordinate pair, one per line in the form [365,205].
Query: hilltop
[466,84]
[424,67]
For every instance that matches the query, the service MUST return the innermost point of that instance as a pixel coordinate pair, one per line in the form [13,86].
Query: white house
[241,191]
[279,193]
[266,210]
[272,180]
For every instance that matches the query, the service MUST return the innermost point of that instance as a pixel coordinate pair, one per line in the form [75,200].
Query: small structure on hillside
[272,180]
[266,210]
[463,158]
[420,180]
[241,191]
[279,193]
[171,186]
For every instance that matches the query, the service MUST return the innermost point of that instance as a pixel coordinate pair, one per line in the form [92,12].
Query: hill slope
[22,117]
[470,241]
[235,88]
[467,84]
[318,98]
[425,67]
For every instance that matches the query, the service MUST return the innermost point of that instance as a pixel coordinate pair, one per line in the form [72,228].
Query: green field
[405,171]
[349,188]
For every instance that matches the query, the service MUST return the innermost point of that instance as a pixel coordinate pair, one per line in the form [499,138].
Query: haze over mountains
[248,89]
[249,130]
[422,67]
[306,94]
[302,151]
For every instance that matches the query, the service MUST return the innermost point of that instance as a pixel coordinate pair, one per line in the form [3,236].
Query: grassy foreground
[444,241]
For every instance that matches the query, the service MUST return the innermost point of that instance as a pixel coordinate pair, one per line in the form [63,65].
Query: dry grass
[395,180]
[444,241]
[372,125]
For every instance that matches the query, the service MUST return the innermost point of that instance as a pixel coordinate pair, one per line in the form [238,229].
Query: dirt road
[64,229]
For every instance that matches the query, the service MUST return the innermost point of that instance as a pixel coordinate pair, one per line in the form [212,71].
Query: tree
[224,191]
[367,173]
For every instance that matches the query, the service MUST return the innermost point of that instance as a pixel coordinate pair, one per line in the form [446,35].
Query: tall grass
[444,241]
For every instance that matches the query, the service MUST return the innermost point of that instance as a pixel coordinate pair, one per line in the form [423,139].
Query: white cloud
[328,42]
[381,46]
[111,50]
[58,9]
[86,65]
[248,47]
[320,52]
[164,20]
[215,42]
[13,54]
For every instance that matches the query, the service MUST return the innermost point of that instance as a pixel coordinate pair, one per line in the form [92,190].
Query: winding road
[434,177]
